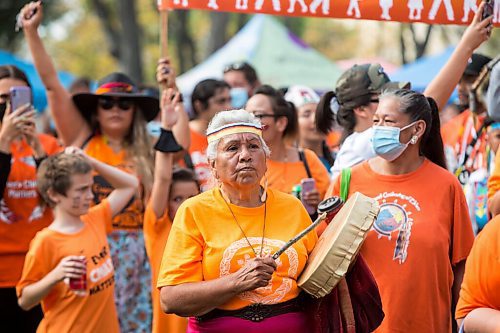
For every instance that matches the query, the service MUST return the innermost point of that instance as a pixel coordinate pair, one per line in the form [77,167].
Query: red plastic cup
[79,285]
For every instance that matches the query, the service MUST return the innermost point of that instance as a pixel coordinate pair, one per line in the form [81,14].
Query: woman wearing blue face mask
[422,236]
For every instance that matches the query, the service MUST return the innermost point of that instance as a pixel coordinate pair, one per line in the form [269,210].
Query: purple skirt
[293,322]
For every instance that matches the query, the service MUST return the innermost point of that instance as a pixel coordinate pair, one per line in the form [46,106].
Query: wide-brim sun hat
[117,85]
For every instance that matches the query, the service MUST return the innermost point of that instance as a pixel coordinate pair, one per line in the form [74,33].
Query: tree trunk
[218,29]
[130,46]
[402,44]
[185,46]
[111,33]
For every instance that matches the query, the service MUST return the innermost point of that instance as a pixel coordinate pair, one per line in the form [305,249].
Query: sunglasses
[237,66]
[108,103]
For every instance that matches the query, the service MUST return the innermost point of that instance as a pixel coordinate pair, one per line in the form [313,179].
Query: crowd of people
[139,216]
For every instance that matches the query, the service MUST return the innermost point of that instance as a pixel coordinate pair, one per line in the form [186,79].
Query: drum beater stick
[327,208]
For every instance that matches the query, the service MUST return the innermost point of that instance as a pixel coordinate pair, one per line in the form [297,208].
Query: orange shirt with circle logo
[206,243]
[422,230]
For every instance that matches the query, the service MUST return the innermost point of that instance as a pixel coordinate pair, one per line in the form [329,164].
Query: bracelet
[167,143]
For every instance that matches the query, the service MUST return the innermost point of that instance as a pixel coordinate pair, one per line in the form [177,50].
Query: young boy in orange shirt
[170,189]
[74,248]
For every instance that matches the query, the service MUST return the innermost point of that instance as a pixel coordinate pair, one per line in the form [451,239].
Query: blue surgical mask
[154,128]
[239,97]
[385,141]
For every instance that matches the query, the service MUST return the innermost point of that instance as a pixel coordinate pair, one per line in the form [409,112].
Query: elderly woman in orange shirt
[216,267]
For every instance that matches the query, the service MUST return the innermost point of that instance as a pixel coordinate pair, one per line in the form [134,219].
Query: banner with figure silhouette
[426,11]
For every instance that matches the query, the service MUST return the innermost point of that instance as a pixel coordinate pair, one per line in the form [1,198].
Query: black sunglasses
[108,103]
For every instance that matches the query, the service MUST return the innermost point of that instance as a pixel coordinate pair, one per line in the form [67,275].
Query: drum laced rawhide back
[339,245]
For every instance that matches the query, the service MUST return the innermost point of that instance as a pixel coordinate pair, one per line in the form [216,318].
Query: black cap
[476,63]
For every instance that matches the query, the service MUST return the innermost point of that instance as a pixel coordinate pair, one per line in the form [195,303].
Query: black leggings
[15,319]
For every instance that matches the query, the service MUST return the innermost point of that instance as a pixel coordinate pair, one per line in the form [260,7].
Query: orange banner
[426,11]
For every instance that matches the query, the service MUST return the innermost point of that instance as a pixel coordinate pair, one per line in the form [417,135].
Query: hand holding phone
[308,185]
[19,96]
[488,9]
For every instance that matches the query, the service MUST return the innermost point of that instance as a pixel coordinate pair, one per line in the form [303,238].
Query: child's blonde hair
[55,173]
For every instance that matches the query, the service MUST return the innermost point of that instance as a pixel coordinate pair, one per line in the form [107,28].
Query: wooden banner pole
[163,41]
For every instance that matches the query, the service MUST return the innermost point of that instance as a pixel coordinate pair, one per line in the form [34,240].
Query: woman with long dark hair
[417,247]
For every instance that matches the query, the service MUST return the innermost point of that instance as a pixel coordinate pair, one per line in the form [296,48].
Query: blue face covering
[385,141]
[239,97]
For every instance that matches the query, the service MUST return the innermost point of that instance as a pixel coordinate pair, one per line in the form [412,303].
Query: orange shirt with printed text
[206,243]
[422,230]
[131,217]
[22,214]
[64,311]
[156,231]
[283,176]
[481,284]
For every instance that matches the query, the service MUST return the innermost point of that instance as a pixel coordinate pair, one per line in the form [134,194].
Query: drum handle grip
[295,239]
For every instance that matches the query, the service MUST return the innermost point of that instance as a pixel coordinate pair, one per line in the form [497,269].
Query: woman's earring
[263,198]
[414,139]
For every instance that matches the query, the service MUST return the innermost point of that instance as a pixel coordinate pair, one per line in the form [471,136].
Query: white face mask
[385,141]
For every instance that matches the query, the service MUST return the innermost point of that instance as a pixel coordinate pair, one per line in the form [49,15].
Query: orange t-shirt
[63,310]
[198,154]
[22,214]
[206,243]
[131,217]
[156,232]
[481,284]
[423,228]
[282,176]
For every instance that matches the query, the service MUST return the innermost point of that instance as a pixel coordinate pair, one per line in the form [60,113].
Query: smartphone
[19,96]
[308,184]
[488,9]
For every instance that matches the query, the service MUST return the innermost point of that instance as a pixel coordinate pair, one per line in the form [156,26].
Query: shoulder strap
[302,157]
[86,141]
[188,161]
[345,180]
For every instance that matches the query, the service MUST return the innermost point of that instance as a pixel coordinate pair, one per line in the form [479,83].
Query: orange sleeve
[462,233]
[101,216]
[36,265]
[183,252]
[318,172]
[494,180]
[481,279]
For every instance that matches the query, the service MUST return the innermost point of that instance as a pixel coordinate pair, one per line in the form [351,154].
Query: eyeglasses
[109,103]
